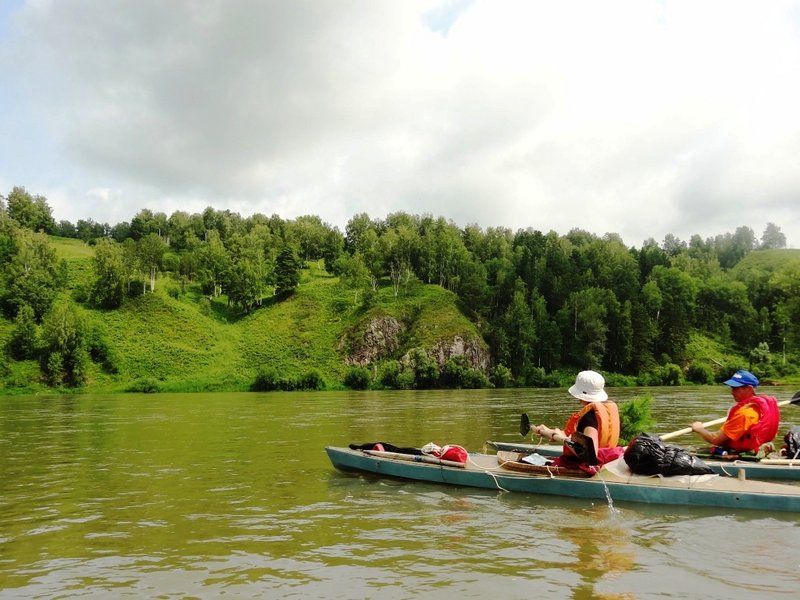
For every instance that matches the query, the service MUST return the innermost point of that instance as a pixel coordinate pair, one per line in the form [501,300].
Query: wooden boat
[777,468]
[614,481]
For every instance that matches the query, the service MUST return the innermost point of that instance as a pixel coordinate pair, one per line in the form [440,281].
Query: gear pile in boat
[792,441]
[648,455]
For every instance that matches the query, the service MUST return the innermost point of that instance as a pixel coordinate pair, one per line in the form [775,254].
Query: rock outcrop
[475,353]
[380,338]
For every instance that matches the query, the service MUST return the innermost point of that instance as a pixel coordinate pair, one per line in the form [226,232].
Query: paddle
[524,425]
[668,436]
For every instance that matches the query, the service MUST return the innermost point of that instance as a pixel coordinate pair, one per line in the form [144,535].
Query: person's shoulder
[750,409]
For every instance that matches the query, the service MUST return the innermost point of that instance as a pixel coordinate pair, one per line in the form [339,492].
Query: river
[232,495]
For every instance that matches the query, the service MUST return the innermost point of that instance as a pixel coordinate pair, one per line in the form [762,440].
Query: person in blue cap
[751,422]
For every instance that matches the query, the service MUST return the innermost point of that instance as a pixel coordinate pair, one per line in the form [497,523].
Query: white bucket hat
[589,387]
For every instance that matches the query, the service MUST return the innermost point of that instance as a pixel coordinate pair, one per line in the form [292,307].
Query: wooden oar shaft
[685,430]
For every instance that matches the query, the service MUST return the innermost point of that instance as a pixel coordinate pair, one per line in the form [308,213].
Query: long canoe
[614,481]
[777,469]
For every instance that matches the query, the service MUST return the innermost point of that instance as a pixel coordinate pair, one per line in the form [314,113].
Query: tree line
[543,301]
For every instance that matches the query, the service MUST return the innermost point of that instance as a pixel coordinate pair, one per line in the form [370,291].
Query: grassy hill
[181,341]
[769,261]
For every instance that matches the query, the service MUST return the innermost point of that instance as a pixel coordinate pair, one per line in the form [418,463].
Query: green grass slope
[296,334]
[155,337]
[172,341]
[787,259]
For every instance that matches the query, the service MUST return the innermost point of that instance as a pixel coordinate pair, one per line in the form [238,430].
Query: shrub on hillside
[100,352]
[476,380]
[25,336]
[79,374]
[394,375]
[666,375]
[457,373]
[389,374]
[406,380]
[311,381]
[170,262]
[143,386]
[500,376]
[135,288]
[80,294]
[204,305]
[266,380]
[787,368]
[424,368]
[535,377]
[65,358]
[54,369]
[619,380]
[357,378]
[559,378]
[700,373]
[453,372]
[369,299]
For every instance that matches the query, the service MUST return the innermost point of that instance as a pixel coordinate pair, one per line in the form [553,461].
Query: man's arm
[715,439]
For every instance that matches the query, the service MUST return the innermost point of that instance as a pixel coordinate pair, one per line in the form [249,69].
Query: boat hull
[786,471]
[483,471]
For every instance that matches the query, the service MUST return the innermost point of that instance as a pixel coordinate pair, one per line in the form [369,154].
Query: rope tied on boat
[488,471]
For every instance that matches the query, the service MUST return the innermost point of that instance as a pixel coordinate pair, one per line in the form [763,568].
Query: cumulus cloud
[636,117]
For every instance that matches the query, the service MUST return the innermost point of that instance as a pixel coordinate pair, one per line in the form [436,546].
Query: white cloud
[637,117]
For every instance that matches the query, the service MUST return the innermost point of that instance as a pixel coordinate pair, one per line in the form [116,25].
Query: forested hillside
[220,301]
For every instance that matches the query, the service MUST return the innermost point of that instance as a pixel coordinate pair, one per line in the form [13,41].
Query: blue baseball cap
[741,378]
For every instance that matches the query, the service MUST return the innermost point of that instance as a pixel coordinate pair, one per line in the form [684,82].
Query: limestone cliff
[382,337]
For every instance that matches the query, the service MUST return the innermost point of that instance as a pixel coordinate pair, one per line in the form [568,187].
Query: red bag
[454,453]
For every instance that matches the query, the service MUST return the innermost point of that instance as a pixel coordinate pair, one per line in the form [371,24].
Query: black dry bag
[648,455]
[792,440]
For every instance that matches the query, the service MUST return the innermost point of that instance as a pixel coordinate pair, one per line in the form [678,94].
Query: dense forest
[543,302]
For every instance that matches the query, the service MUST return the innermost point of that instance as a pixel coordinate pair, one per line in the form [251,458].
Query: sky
[636,117]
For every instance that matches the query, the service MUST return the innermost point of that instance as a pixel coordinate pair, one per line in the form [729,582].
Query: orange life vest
[607,415]
[769,418]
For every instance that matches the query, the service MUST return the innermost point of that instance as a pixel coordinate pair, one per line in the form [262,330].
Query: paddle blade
[525,424]
[795,399]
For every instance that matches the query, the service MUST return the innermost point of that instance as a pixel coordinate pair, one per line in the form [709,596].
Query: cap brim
[734,383]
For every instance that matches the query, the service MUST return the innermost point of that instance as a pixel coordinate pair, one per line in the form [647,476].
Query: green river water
[232,496]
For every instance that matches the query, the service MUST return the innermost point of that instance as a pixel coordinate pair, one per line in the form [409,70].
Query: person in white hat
[597,418]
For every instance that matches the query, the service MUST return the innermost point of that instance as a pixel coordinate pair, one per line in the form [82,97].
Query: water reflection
[603,552]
